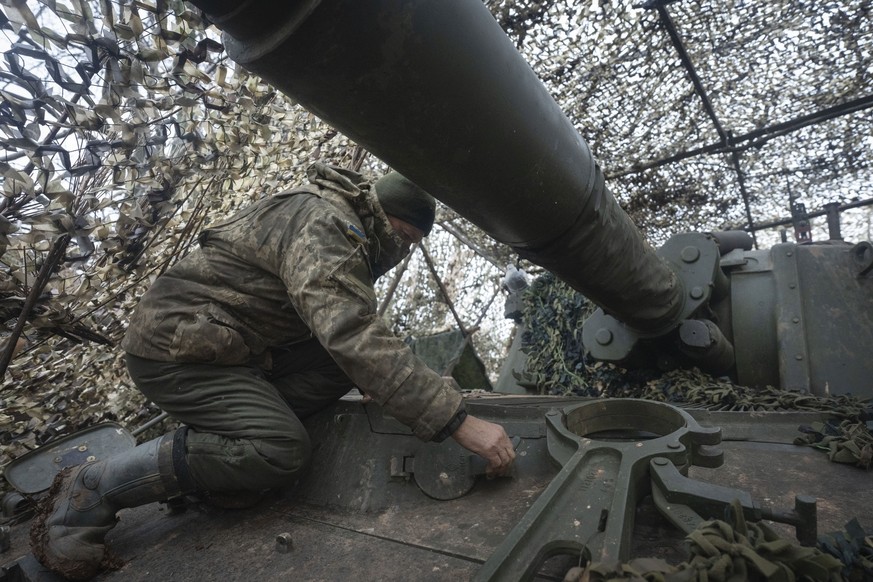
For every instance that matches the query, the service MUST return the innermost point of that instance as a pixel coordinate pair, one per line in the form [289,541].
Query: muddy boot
[68,533]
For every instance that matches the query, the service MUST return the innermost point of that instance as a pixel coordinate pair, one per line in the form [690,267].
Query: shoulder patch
[355,234]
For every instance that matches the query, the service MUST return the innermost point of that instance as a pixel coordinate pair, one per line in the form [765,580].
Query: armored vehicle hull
[364,510]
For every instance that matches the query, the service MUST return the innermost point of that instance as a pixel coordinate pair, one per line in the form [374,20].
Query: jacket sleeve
[328,280]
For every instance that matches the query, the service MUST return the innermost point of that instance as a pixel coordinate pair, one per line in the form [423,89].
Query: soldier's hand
[489,441]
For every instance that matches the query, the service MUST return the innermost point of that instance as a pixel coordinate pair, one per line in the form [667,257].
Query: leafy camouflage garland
[849,441]
[721,552]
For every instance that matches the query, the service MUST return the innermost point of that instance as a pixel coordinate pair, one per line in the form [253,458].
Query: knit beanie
[404,200]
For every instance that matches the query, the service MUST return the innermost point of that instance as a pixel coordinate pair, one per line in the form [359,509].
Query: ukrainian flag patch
[355,233]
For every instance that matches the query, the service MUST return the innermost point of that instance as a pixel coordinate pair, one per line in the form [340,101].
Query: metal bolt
[82,448]
[807,522]
[690,254]
[284,543]
[58,459]
[792,285]
[661,462]
[798,357]
[696,292]
[795,319]
[603,336]
[788,254]
[91,458]
[674,446]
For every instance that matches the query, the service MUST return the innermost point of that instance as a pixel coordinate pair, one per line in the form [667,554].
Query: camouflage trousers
[244,423]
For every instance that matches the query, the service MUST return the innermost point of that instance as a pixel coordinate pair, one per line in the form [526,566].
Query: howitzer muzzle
[438,91]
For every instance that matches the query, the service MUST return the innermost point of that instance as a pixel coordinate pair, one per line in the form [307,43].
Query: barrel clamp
[695,259]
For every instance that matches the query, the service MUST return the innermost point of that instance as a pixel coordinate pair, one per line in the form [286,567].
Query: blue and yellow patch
[355,234]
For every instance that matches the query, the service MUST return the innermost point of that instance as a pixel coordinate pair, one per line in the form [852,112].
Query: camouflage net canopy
[713,115]
[125,129]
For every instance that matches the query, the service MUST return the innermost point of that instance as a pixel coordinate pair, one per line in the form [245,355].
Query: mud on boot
[75,552]
[68,533]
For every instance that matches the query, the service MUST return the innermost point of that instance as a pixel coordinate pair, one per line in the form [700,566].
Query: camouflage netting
[780,110]
[125,129]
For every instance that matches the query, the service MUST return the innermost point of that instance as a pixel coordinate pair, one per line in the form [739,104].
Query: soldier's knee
[269,460]
[283,459]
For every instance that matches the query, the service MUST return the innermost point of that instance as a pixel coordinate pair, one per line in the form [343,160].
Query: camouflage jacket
[286,268]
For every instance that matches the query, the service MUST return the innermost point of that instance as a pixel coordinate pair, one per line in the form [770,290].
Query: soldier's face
[411,235]
[390,246]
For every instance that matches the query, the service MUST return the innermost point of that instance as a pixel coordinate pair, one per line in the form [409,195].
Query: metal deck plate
[34,472]
[345,521]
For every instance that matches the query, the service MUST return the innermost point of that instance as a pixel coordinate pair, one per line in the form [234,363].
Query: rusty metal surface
[402,534]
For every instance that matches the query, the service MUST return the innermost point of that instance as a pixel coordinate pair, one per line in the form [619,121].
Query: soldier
[272,318]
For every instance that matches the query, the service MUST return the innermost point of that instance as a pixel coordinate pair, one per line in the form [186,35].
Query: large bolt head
[603,336]
[690,254]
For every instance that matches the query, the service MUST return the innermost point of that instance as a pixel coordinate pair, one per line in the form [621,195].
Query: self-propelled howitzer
[435,89]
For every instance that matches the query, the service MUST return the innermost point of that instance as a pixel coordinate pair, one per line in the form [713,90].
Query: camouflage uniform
[288,279]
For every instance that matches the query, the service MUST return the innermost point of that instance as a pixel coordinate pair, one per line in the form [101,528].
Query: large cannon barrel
[437,90]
